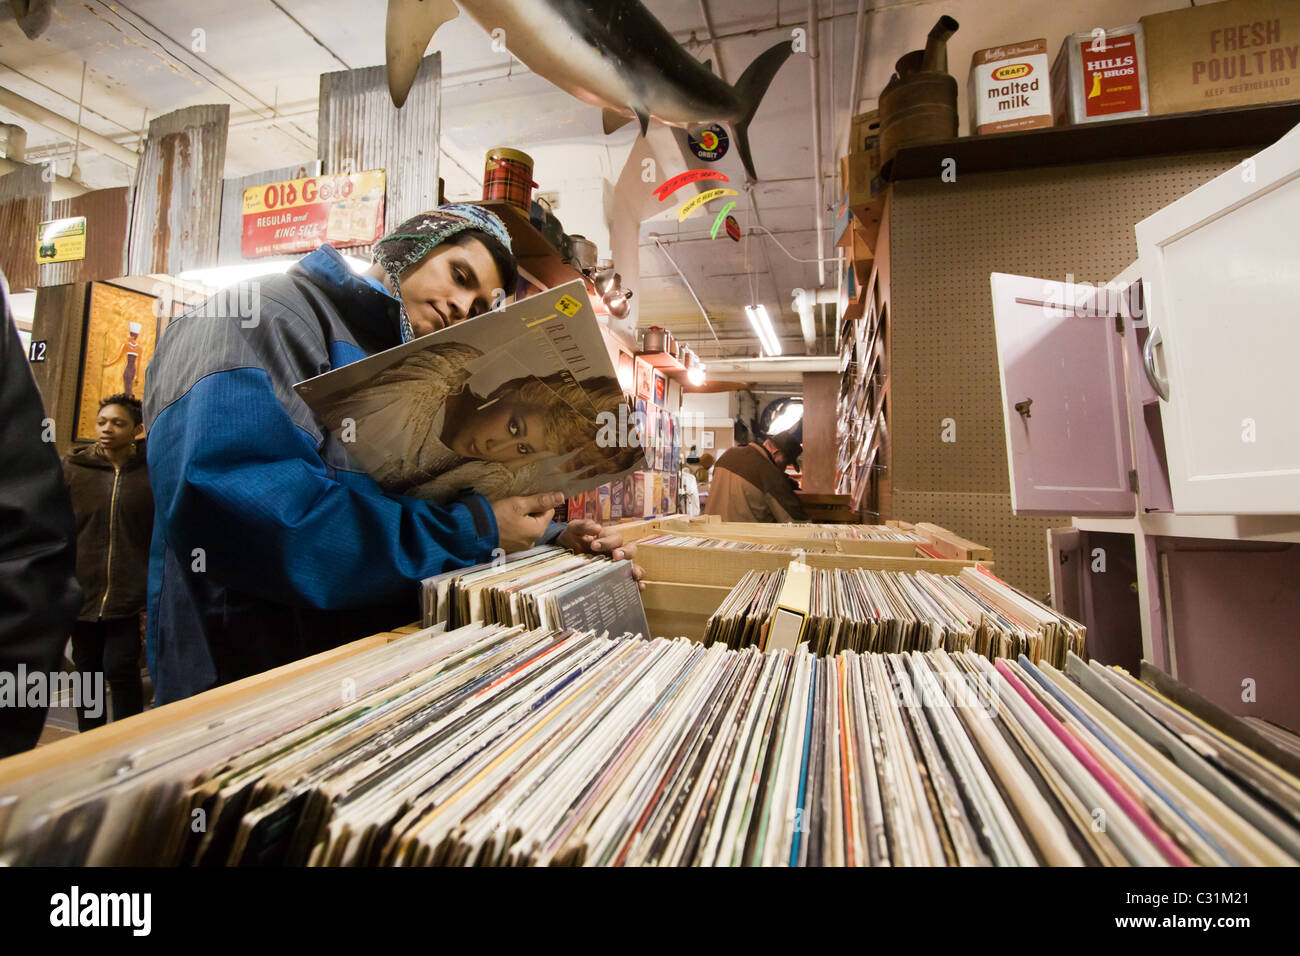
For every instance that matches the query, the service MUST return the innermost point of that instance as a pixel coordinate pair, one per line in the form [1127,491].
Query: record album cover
[516,401]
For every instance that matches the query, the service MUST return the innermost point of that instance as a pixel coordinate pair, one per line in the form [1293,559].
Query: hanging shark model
[611,53]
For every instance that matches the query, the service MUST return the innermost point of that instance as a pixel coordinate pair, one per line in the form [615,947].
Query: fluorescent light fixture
[762,325]
[219,277]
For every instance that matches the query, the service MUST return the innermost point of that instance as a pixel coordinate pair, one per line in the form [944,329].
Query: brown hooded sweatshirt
[114,509]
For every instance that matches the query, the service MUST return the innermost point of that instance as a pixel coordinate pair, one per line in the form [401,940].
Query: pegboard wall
[945,240]
[1019,543]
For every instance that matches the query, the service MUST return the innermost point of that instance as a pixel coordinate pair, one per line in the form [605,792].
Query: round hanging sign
[733,228]
[710,144]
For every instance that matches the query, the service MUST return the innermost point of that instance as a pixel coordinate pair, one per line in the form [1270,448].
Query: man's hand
[521,521]
[587,537]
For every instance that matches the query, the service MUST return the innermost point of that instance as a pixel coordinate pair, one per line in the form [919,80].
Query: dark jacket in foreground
[747,485]
[114,509]
[39,596]
[268,545]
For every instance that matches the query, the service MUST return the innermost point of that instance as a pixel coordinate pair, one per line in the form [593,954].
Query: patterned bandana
[414,239]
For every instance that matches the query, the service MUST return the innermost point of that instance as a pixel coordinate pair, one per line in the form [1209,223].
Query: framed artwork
[121,332]
[644,375]
[661,388]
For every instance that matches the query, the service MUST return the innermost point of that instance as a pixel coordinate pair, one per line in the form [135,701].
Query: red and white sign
[300,215]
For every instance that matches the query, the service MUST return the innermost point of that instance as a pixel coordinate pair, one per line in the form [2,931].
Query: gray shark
[611,53]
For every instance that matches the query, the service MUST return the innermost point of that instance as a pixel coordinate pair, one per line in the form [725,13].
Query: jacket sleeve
[242,490]
[39,596]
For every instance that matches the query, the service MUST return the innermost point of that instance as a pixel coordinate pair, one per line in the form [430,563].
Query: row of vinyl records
[719,544]
[891,611]
[830,610]
[705,537]
[493,745]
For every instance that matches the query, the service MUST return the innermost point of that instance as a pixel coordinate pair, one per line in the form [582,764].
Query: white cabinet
[1221,268]
[1183,377]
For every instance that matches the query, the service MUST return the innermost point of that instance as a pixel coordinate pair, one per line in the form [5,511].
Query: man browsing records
[749,482]
[268,545]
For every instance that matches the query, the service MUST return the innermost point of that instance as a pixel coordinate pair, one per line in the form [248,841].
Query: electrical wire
[834,258]
[703,311]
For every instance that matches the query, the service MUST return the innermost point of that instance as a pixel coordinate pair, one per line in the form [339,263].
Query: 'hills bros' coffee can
[1100,76]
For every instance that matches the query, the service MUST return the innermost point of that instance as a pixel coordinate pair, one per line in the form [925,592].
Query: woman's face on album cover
[450,284]
[504,432]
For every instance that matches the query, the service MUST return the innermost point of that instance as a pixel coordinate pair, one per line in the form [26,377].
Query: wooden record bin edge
[85,745]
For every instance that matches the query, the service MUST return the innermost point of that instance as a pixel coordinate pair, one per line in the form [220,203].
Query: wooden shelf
[1176,133]
[533,252]
[662,361]
[665,363]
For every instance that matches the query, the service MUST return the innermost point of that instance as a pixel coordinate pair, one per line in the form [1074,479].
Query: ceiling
[143,58]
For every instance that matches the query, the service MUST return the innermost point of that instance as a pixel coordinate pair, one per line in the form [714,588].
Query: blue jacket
[268,543]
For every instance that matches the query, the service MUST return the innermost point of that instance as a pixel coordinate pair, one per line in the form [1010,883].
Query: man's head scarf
[409,243]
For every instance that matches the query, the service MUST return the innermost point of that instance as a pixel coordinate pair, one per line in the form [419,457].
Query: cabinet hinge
[1132,479]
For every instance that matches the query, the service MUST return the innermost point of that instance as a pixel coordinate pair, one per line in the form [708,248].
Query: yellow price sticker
[568,305]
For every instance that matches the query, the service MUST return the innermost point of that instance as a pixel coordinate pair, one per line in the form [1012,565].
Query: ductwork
[814,29]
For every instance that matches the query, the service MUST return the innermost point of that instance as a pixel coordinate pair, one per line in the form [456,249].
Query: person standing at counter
[268,544]
[109,486]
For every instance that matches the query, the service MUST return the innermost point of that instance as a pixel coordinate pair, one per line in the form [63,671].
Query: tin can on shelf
[508,177]
[1100,76]
[1009,88]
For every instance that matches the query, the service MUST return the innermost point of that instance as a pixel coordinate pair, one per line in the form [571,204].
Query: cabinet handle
[1161,385]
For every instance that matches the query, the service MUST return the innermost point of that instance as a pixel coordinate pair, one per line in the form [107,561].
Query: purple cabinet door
[1062,363]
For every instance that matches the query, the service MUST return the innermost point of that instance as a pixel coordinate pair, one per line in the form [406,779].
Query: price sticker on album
[568,305]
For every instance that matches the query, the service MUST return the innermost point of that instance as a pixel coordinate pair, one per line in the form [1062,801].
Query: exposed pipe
[75,171]
[153,33]
[814,28]
[855,78]
[708,36]
[60,124]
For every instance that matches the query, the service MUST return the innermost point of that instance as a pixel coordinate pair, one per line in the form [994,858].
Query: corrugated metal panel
[359,128]
[108,214]
[232,220]
[24,204]
[175,219]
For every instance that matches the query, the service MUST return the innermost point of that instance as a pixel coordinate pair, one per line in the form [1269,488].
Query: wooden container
[920,108]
